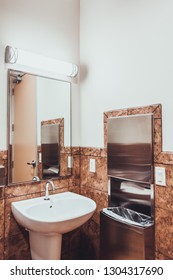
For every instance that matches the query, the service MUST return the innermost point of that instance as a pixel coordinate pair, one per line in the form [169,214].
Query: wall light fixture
[24,59]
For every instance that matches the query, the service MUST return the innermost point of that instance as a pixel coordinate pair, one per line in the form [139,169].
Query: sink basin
[47,220]
[62,213]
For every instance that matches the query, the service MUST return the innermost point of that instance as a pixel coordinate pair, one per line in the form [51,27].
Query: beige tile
[17,247]
[164,232]
[90,241]
[142,110]
[22,189]
[1,249]
[157,137]
[74,188]
[115,113]
[99,197]
[2,192]
[89,151]
[105,135]
[158,112]
[11,226]
[84,170]
[101,171]
[64,170]
[165,158]
[76,150]
[160,256]
[1,219]
[76,166]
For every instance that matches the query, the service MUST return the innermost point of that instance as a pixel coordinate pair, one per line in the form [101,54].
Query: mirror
[39,127]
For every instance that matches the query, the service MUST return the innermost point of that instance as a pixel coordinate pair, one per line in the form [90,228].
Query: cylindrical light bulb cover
[37,61]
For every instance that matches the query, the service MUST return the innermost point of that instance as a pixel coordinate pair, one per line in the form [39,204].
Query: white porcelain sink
[47,220]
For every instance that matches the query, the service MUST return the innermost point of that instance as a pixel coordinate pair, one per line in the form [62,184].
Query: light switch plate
[70,161]
[160,176]
[40,158]
[92,165]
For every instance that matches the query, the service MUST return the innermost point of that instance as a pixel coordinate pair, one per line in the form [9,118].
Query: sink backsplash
[84,243]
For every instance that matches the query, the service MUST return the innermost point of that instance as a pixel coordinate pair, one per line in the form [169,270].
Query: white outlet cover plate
[92,165]
[70,161]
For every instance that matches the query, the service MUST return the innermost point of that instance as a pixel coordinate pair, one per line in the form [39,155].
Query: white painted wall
[50,28]
[126,53]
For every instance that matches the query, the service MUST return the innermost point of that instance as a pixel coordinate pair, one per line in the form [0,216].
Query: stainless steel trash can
[125,235]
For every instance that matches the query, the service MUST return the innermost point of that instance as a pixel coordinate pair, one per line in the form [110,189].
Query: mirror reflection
[39,128]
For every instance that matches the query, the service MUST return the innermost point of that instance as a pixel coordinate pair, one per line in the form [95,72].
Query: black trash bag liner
[128,216]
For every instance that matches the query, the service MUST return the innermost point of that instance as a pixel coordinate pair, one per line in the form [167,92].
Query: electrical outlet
[92,165]
[160,176]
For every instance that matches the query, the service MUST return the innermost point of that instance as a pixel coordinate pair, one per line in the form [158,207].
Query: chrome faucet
[49,182]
